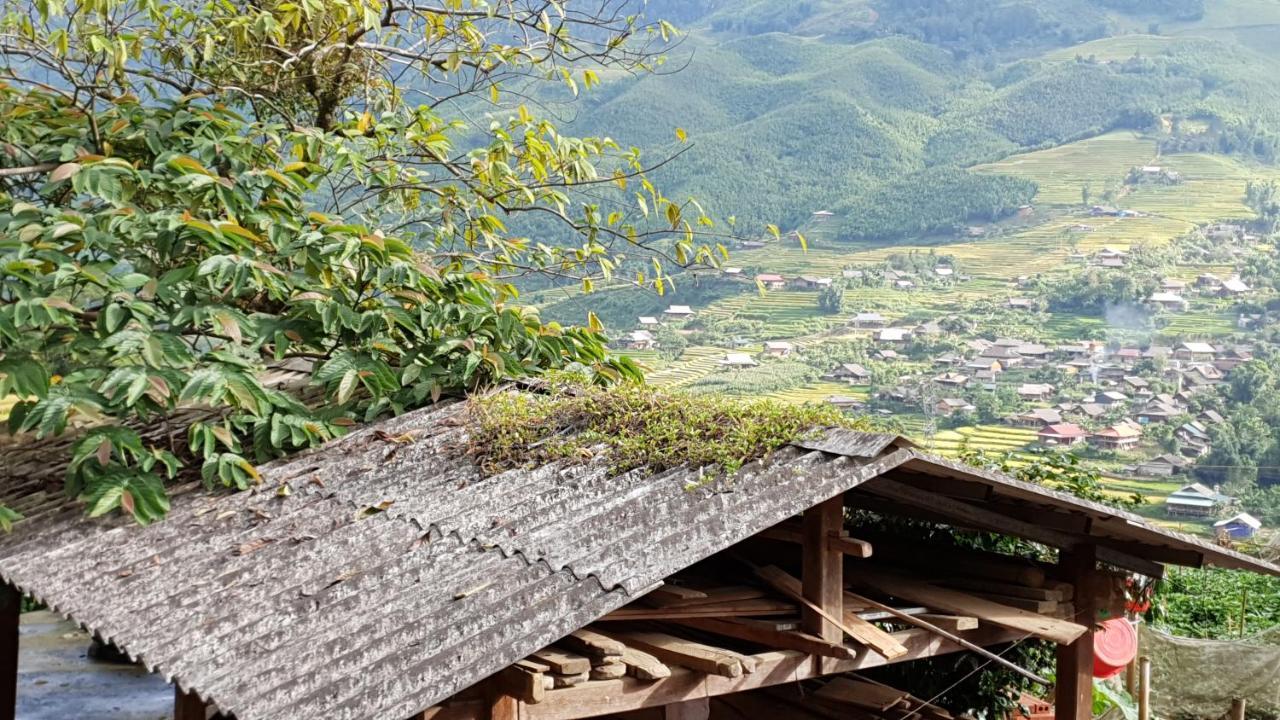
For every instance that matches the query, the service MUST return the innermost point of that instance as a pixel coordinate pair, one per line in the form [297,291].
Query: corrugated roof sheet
[311,604]
[396,573]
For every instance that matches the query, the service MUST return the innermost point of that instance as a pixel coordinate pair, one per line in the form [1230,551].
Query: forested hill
[875,110]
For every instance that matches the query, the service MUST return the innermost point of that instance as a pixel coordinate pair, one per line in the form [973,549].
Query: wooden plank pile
[722,619]
[844,697]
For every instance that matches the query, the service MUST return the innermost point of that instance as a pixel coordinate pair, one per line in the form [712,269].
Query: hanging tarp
[1198,678]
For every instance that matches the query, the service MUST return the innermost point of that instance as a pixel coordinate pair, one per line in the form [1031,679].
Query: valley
[884,315]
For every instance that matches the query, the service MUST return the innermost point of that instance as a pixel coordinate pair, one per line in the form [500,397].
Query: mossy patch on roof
[638,426]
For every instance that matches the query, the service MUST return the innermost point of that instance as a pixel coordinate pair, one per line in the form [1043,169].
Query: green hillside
[876,110]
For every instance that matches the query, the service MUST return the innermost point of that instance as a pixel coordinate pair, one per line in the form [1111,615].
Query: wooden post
[1144,688]
[1073,694]
[696,709]
[10,615]
[823,570]
[1237,709]
[186,706]
[501,705]
[1131,678]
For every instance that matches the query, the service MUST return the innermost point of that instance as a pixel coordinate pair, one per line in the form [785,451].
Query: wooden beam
[762,634]
[504,707]
[608,697]
[744,608]
[686,653]
[1073,696]
[951,623]
[840,542]
[696,709]
[187,706]
[822,574]
[954,601]
[993,521]
[10,617]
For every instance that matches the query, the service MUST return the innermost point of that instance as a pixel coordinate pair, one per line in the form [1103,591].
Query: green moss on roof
[637,426]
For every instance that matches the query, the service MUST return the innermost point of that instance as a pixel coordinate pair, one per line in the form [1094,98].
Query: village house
[1035,391]
[952,379]
[1168,301]
[821,216]
[813,282]
[679,312]
[733,272]
[1110,397]
[943,271]
[1032,351]
[1038,418]
[1157,352]
[1158,411]
[1196,500]
[949,359]
[1165,465]
[771,281]
[1112,262]
[852,274]
[1192,350]
[1006,356]
[1108,253]
[893,335]
[1121,436]
[1062,434]
[640,340]
[931,328]
[1021,303]
[1194,439]
[648,322]
[1240,526]
[1201,374]
[1091,410]
[1210,417]
[976,367]
[1173,285]
[886,354]
[844,402]
[1137,384]
[869,320]
[852,372]
[738,360]
[904,284]
[1208,281]
[947,407]
[778,348]
[1231,358]
[1234,286]
[1127,356]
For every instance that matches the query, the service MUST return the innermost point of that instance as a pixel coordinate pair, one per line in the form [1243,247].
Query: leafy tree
[831,299]
[192,194]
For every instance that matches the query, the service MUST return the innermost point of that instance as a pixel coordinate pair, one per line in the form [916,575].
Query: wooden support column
[697,709]
[186,706]
[10,614]
[1073,695]
[500,704]
[822,572]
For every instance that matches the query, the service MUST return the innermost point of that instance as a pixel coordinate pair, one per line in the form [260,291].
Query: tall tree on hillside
[194,192]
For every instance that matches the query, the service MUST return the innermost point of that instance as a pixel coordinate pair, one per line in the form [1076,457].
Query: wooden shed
[396,579]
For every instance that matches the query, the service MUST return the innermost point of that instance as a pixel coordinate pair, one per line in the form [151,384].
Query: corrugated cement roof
[396,573]
[314,604]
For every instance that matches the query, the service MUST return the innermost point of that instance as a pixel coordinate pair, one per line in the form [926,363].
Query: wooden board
[686,653]
[955,601]
[643,666]
[1040,607]
[860,693]
[592,644]
[762,634]
[562,662]
[745,608]
[992,587]
[951,623]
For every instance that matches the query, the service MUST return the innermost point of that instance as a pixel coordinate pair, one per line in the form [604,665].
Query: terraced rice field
[819,392]
[1212,189]
[987,438]
[1061,172]
[787,313]
[695,362]
[1204,323]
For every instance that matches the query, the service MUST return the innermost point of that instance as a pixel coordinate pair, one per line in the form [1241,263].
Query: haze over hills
[875,110]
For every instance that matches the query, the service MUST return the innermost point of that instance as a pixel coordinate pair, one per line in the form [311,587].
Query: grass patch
[636,427]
